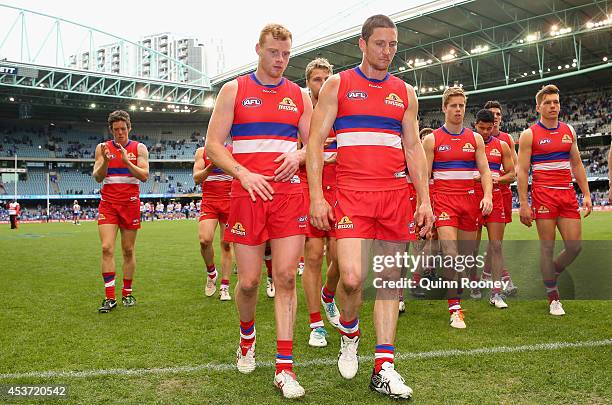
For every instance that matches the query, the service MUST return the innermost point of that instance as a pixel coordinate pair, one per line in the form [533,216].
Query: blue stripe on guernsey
[217,170]
[264,128]
[283,357]
[385,347]
[455,164]
[494,166]
[118,170]
[550,156]
[367,121]
[247,331]
[333,145]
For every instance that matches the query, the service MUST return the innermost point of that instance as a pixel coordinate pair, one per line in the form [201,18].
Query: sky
[237,26]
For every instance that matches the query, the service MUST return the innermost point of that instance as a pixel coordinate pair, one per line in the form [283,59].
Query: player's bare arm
[486,205]
[610,171]
[508,165]
[580,175]
[219,128]
[322,121]
[522,175]
[101,162]
[200,170]
[417,163]
[140,170]
[293,160]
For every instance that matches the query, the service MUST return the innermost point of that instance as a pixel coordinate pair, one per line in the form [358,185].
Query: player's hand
[424,219]
[587,206]
[290,165]
[105,152]
[525,214]
[257,185]
[124,156]
[321,214]
[210,167]
[486,206]
[331,159]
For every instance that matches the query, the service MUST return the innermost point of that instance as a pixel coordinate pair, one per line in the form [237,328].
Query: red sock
[269,267]
[225,282]
[505,275]
[454,304]
[301,259]
[349,329]
[284,355]
[315,320]
[247,335]
[127,288]
[211,271]
[383,353]
[109,285]
[326,295]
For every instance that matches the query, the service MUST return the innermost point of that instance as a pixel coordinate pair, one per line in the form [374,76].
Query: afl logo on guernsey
[444,148]
[251,102]
[468,148]
[287,105]
[356,95]
[394,100]
[544,141]
[566,139]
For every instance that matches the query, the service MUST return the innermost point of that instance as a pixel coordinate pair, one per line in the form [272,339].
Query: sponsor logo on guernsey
[270,91]
[443,216]
[376,86]
[495,152]
[566,139]
[544,141]
[394,100]
[238,229]
[345,223]
[252,102]
[468,147]
[131,156]
[356,95]
[287,105]
[444,148]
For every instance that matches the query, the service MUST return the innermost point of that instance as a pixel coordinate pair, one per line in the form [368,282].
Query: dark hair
[484,116]
[424,132]
[492,104]
[376,21]
[119,115]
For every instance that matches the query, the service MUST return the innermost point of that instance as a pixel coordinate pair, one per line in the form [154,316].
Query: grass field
[176,346]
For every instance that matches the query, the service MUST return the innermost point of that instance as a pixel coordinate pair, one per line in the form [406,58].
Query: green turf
[52,288]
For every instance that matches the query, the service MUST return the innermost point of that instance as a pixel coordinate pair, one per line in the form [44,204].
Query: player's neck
[453,128]
[495,132]
[549,123]
[314,100]
[265,79]
[122,143]
[372,73]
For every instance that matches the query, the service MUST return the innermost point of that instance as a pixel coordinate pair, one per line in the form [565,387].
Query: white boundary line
[329,361]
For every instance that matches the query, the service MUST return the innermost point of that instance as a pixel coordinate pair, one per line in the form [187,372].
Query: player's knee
[108,250]
[128,252]
[314,260]
[285,280]
[249,286]
[205,242]
[574,247]
[225,246]
[351,283]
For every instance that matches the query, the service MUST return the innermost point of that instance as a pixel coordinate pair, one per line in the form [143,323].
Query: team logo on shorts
[394,100]
[252,102]
[495,152]
[468,147]
[287,105]
[567,139]
[443,216]
[295,180]
[238,229]
[345,223]
[543,210]
[444,148]
[356,95]
[411,227]
[101,217]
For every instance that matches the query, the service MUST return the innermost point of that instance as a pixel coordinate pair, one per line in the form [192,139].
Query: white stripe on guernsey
[552,166]
[327,155]
[220,177]
[455,175]
[110,283]
[368,139]
[264,145]
[120,180]
[328,361]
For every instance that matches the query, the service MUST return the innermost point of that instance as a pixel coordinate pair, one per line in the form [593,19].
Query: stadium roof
[479,44]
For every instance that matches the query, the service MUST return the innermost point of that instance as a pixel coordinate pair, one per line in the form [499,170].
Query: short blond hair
[544,91]
[452,92]
[319,63]
[277,31]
